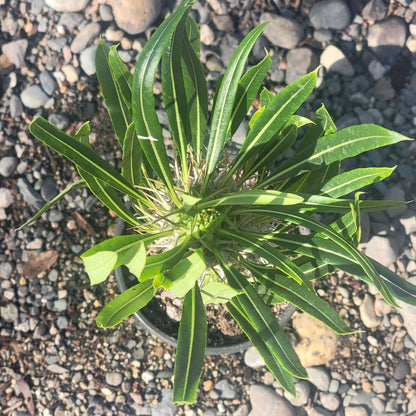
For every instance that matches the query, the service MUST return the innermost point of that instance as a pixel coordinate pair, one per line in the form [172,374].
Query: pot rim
[150,327]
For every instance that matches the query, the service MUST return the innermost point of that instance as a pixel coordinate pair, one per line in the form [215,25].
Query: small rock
[408,221]
[334,60]
[383,90]
[16,106]
[379,386]
[207,34]
[113,378]
[374,10]
[6,198]
[87,60]
[396,193]
[318,344]
[224,23]
[322,35]
[67,6]
[48,82]
[387,38]
[303,393]
[7,166]
[60,304]
[382,249]
[56,369]
[58,120]
[147,376]
[85,37]
[265,401]
[330,14]
[319,377]
[33,97]
[106,13]
[62,322]
[16,51]
[48,188]
[242,410]
[367,312]
[356,411]
[376,69]
[226,389]
[6,268]
[330,401]
[401,370]
[253,359]
[299,62]
[71,74]
[9,313]
[283,32]
[135,16]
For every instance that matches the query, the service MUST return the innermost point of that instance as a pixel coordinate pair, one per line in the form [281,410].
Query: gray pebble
[147,376]
[71,20]
[319,377]
[37,6]
[376,69]
[48,188]
[59,120]
[56,44]
[252,358]
[33,97]
[87,60]
[330,401]
[387,38]
[7,166]
[333,386]
[356,411]
[303,393]
[85,37]
[16,51]
[16,106]
[383,90]
[401,370]
[106,12]
[48,82]
[60,304]
[113,378]
[6,198]
[322,35]
[9,313]
[300,61]
[6,269]
[330,14]
[334,60]
[382,249]
[283,32]
[396,193]
[265,401]
[375,10]
[55,216]
[226,389]
[67,6]
[56,369]
[367,312]
[62,322]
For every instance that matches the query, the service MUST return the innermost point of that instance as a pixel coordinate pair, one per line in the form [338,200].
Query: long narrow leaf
[81,155]
[284,377]
[132,157]
[126,304]
[345,143]
[53,201]
[265,323]
[144,113]
[190,352]
[227,92]
[119,113]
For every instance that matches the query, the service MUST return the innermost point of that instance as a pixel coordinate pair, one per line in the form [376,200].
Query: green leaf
[273,364]
[253,197]
[247,91]
[173,89]
[116,107]
[121,74]
[104,257]
[348,142]
[278,112]
[265,323]
[190,352]
[266,97]
[222,113]
[196,90]
[159,263]
[134,258]
[185,273]
[271,254]
[344,245]
[217,292]
[53,201]
[132,157]
[351,181]
[81,155]
[144,113]
[125,304]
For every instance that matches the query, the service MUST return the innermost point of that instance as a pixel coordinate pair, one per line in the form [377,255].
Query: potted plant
[213,225]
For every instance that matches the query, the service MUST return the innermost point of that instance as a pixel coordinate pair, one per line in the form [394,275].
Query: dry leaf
[40,263]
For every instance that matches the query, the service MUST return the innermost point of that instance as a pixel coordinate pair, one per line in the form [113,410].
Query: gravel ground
[53,358]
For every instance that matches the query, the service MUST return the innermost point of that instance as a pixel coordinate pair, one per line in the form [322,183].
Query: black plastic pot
[122,280]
